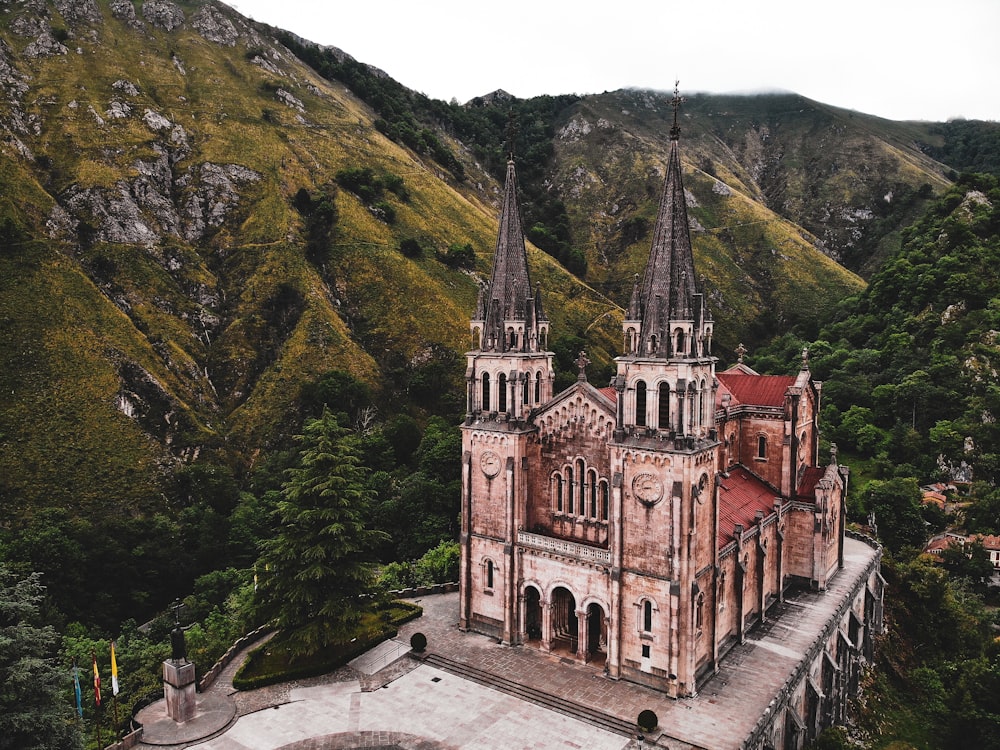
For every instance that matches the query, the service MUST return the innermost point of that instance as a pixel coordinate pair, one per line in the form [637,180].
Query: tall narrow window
[605,501]
[559,492]
[489,574]
[569,491]
[486,391]
[524,390]
[640,403]
[647,616]
[680,352]
[762,446]
[502,393]
[699,613]
[538,388]
[663,407]
[593,494]
[583,487]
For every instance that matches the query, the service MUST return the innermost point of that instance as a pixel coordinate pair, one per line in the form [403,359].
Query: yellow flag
[114,671]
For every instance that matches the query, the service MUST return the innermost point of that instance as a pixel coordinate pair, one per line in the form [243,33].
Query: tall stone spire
[668,293]
[509,310]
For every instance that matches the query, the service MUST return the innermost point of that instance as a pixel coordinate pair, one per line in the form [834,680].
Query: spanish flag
[114,671]
[97,682]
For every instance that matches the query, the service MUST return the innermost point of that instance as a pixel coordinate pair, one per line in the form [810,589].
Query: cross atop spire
[676,102]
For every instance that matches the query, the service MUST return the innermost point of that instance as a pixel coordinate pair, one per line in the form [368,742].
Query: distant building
[647,526]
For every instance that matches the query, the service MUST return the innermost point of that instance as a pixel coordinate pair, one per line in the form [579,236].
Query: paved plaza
[408,703]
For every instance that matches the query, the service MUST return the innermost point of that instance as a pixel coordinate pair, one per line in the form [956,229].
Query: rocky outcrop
[214,27]
[143,210]
[214,193]
[78,11]
[162,14]
[45,45]
[124,11]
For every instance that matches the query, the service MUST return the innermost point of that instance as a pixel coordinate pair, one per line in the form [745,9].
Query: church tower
[664,454]
[508,374]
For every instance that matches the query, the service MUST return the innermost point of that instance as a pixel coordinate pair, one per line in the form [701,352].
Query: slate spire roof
[668,290]
[509,295]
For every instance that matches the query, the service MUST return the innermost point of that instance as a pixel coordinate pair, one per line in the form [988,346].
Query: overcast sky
[899,59]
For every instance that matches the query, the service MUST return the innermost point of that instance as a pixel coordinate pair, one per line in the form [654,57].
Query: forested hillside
[912,396]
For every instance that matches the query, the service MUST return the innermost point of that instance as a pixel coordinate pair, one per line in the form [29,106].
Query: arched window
[513,339]
[699,613]
[703,418]
[647,616]
[605,500]
[679,351]
[762,447]
[489,574]
[524,390]
[592,481]
[557,490]
[486,391]
[582,510]
[663,407]
[502,393]
[722,591]
[652,344]
[569,491]
[538,388]
[640,403]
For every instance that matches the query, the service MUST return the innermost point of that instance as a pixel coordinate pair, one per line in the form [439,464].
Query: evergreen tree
[36,711]
[319,566]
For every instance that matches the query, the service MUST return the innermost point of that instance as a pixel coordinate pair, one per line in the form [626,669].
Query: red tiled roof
[758,390]
[989,541]
[810,477]
[740,497]
[611,393]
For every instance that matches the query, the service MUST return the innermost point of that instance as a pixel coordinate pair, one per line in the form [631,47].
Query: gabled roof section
[605,398]
[753,390]
[741,496]
[810,478]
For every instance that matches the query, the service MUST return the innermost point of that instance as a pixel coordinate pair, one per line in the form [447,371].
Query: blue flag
[76,689]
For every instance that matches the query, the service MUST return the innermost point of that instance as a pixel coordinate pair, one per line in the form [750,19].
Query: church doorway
[564,624]
[532,614]
[597,634]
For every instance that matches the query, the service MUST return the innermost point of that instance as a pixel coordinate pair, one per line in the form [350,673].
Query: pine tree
[36,710]
[318,568]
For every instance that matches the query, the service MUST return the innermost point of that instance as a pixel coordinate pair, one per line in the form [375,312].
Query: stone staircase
[525,692]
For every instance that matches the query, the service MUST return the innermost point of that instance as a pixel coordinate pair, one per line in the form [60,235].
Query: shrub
[418,642]
[648,721]
[411,248]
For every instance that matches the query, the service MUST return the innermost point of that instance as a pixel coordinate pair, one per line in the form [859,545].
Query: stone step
[526,692]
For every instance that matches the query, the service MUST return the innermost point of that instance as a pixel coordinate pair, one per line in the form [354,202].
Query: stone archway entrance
[564,622]
[532,614]
[597,635]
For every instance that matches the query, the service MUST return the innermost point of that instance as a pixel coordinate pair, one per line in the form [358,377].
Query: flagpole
[114,688]
[97,699]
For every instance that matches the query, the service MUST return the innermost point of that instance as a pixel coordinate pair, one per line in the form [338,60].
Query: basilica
[647,525]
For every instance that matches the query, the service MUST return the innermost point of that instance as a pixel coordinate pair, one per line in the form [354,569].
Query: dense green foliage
[968,146]
[35,689]
[316,570]
[910,363]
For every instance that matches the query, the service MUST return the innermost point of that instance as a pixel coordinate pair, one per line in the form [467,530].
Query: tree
[36,711]
[319,566]
[896,505]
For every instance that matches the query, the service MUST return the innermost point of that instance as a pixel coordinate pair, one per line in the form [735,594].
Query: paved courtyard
[421,706]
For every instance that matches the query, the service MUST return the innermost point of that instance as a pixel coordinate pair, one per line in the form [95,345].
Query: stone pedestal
[179,689]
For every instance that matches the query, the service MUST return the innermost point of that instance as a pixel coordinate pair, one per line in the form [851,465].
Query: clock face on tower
[647,488]
[490,463]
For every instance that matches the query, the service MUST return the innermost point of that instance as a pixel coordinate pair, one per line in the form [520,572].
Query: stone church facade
[644,527]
